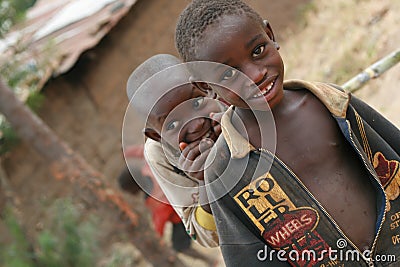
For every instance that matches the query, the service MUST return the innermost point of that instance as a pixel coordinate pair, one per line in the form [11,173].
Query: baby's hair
[200,14]
[147,69]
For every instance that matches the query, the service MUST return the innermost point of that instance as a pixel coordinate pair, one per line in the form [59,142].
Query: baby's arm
[192,161]
[193,157]
[183,194]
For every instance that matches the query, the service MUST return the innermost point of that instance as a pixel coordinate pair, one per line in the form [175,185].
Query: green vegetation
[67,241]
[16,254]
[8,137]
[15,75]
[13,72]
[11,12]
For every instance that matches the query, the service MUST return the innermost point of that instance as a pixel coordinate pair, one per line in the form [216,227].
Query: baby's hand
[216,122]
[193,157]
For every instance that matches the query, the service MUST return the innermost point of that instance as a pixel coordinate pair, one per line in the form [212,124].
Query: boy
[155,88]
[336,164]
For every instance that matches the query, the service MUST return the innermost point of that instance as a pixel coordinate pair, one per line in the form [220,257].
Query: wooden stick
[372,72]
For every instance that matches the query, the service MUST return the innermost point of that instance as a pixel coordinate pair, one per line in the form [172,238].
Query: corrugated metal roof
[56,32]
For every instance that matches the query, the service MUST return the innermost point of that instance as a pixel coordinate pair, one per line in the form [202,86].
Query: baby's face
[183,115]
[246,46]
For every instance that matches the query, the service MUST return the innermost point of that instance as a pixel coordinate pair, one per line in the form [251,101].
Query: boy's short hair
[200,14]
[147,69]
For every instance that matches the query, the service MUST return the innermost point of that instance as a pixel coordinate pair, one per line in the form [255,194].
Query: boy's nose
[195,125]
[256,73]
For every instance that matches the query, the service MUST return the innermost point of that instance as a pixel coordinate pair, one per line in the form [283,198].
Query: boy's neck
[253,125]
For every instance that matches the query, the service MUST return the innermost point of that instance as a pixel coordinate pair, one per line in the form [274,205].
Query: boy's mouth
[266,89]
[208,134]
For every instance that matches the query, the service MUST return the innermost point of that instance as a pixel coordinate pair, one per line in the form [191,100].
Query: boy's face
[247,46]
[183,115]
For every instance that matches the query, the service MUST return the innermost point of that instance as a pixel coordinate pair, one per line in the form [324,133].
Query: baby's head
[232,33]
[147,69]
[174,109]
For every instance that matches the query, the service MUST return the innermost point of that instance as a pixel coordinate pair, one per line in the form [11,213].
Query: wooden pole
[372,72]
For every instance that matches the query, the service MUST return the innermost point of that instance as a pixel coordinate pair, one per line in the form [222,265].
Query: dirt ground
[86,106]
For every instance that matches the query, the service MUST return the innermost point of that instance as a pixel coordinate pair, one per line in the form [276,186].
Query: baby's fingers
[182,145]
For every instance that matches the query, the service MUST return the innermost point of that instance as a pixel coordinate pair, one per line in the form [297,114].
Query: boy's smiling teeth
[264,91]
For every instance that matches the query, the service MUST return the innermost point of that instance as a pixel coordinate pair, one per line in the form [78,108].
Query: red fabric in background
[161,211]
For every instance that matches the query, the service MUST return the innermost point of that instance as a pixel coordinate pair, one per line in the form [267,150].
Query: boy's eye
[258,51]
[198,102]
[228,74]
[172,125]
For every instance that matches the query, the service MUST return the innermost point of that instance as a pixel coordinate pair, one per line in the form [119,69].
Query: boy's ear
[205,87]
[268,30]
[151,133]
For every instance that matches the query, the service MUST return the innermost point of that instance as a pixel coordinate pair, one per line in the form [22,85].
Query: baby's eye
[258,50]
[198,102]
[172,125]
[228,74]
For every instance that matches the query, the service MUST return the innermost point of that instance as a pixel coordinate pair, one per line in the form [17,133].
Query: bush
[11,12]
[18,253]
[68,241]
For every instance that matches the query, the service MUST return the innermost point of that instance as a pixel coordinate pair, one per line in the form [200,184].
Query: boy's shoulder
[332,96]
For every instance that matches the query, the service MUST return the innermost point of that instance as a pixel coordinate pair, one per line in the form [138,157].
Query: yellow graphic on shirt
[282,225]
[263,200]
